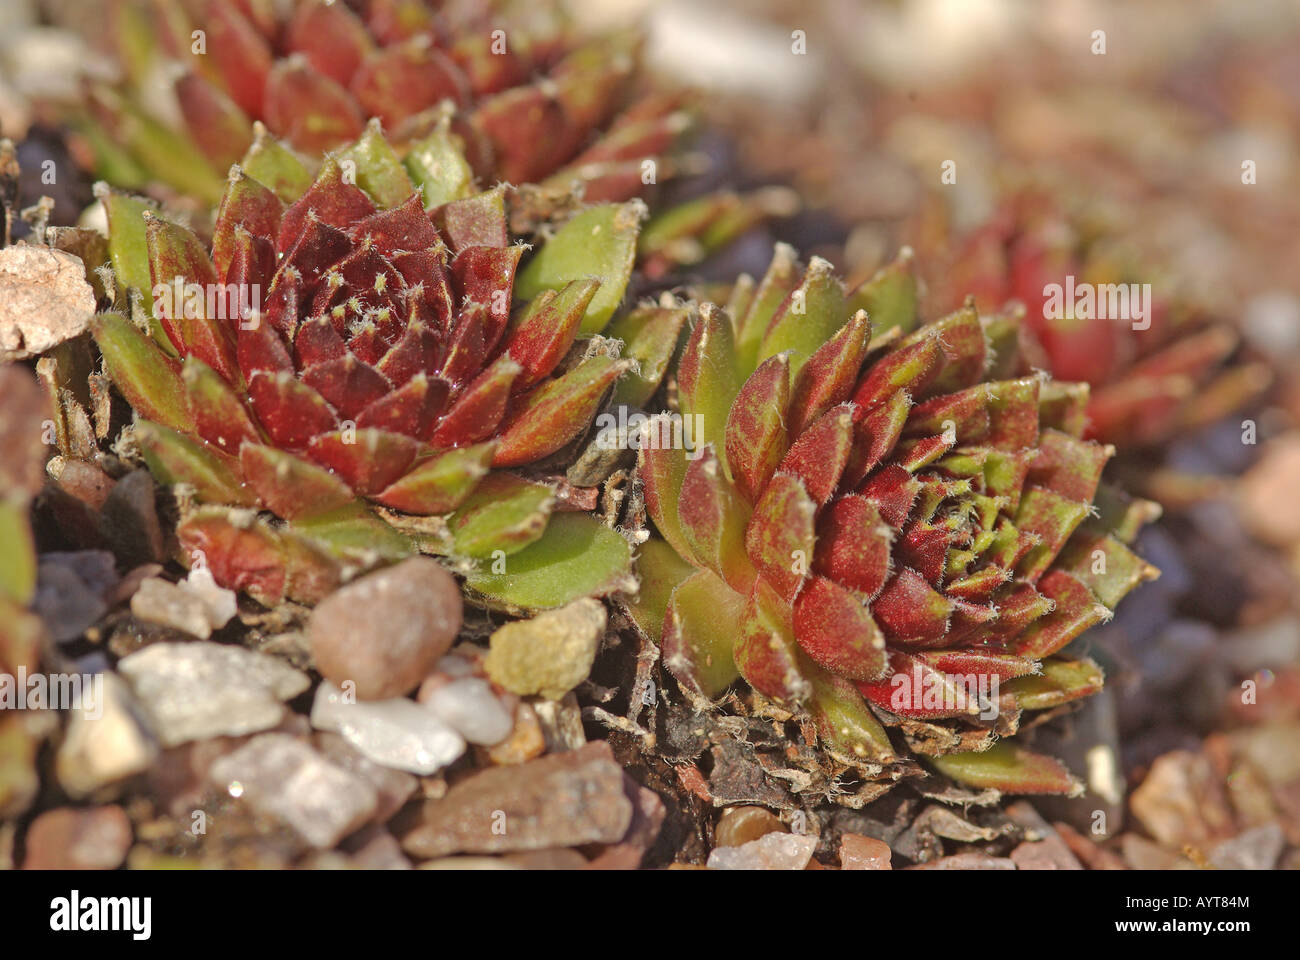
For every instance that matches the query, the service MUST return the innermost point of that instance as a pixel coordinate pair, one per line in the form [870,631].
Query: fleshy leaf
[599,242]
[504,513]
[577,556]
[700,627]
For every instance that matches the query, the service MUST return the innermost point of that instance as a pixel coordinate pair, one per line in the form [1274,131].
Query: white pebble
[471,708]
[396,733]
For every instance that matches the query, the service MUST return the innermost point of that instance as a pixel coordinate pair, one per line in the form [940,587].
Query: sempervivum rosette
[348,356]
[528,98]
[1171,370]
[881,531]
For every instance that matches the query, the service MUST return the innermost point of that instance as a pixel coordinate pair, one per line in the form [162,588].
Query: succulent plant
[881,525]
[499,91]
[1152,378]
[347,356]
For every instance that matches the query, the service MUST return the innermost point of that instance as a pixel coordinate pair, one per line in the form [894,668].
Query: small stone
[864,853]
[197,690]
[394,787]
[1256,849]
[282,777]
[65,601]
[561,723]
[967,861]
[374,848]
[1043,848]
[220,604]
[78,838]
[163,602]
[1092,855]
[106,743]
[1182,803]
[773,851]
[551,653]
[44,300]
[1265,493]
[129,520]
[396,733]
[470,708]
[385,632]
[565,800]
[556,858]
[741,825]
[525,742]
[648,813]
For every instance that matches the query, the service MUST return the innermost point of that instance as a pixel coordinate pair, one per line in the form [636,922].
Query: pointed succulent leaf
[148,378]
[756,426]
[547,329]
[1010,769]
[1060,682]
[377,168]
[713,519]
[700,627]
[765,650]
[272,163]
[175,458]
[290,486]
[441,483]
[601,243]
[649,336]
[550,416]
[503,514]
[781,538]
[707,377]
[890,296]
[577,556]
[810,316]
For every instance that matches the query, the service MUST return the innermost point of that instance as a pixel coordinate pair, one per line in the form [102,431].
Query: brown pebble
[78,838]
[386,631]
[739,825]
[864,853]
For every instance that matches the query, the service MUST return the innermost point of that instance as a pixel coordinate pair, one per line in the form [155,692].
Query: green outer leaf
[148,378]
[889,297]
[1060,682]
[17,552]
[660,569]
[270,162]
[815,310]
[843,718]
[505,513]
[577,556]
[708,379]
[169,156]
[175,458]
[700,629]
[442,482]
[378,170]
[353,531]
[599,242]
[128,246]
[649,336]
[1009,768]
[438,168]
